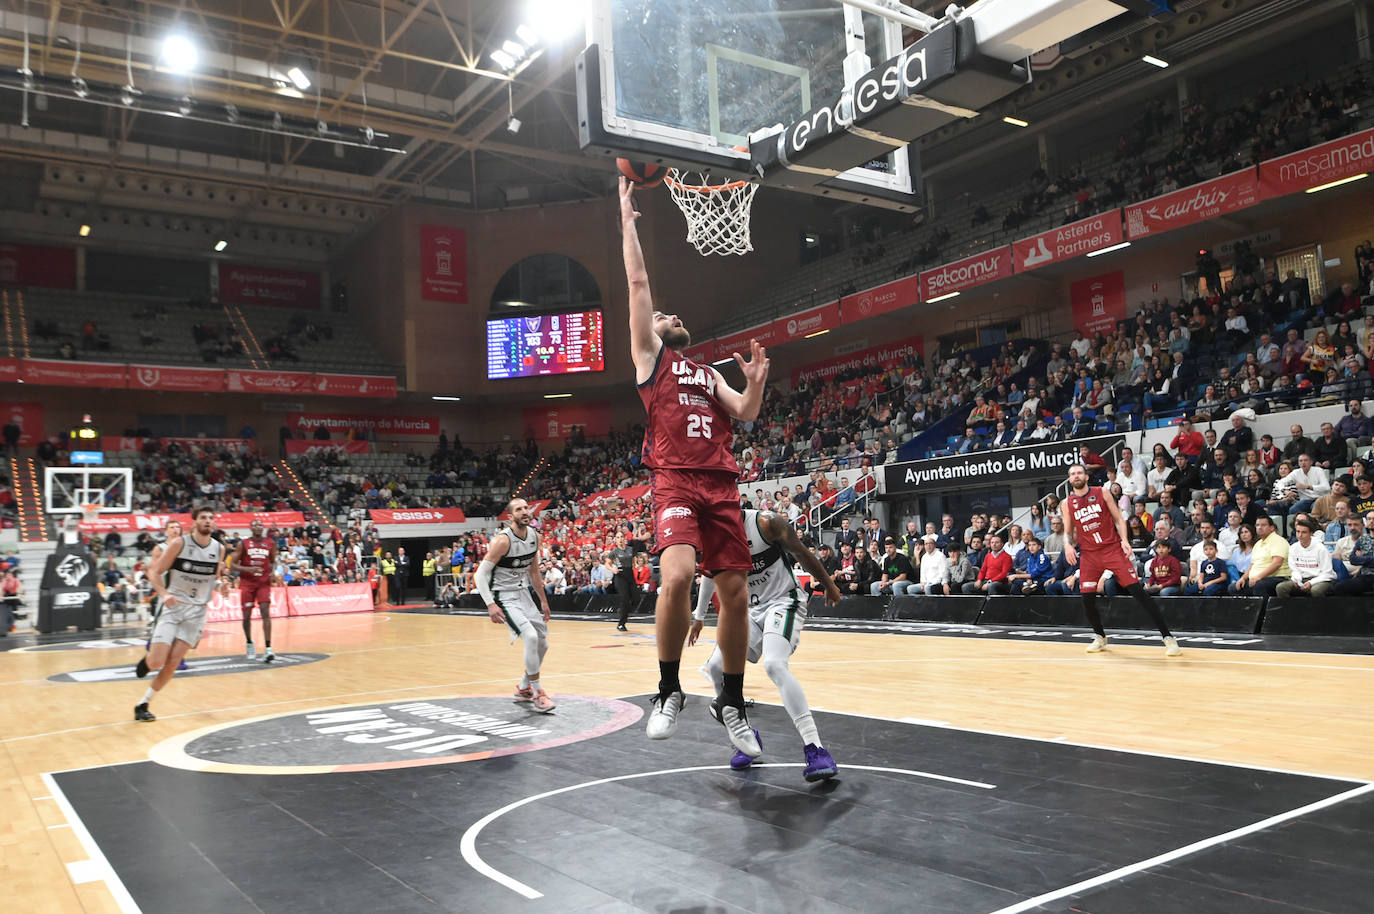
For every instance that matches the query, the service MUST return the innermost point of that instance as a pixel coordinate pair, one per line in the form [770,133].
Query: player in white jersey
[504,578]
[171,531]
[777,613]
[193,566]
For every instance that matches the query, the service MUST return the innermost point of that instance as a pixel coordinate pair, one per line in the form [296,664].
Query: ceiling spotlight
[1155,61]
[1015,121]
[84,231]
[527,35]
[369,135]
[128,95]
[184,105]
[221,245]
[321,128]
[503,60]
[513,48]
[79,87]
[513,125]
[556,19]
[298,78]
[276,120]
[179,53]
[231,111]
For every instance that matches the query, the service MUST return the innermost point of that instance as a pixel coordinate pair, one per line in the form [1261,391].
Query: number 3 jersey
[192,577]
[687,428]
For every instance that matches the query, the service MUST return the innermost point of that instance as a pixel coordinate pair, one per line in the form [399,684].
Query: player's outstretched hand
[1126,548]
[833,595]
[628,213]
[694,632]
[497,617]
[756,369]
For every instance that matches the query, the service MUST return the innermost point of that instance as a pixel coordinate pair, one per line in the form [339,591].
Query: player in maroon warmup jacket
[695,497]
[1092,519]
[253,561]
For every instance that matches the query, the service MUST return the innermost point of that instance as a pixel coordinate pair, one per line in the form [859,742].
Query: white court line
[1185,851]
[474,859]
[96,868]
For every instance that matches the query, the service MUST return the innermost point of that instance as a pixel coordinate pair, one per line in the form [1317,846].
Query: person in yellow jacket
[427,572]
[388,566]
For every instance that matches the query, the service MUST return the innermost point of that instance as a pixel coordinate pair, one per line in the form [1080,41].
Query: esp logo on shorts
[670,513]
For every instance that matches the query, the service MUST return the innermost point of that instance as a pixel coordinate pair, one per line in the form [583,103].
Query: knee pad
[776,669]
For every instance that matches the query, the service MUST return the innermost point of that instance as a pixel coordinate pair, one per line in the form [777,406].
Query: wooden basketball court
[1271,711]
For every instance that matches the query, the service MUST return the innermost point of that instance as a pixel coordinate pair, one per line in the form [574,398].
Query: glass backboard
[685,82]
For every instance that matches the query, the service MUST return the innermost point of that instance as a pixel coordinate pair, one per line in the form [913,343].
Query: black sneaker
[141,713]
[620,627]
[142,669]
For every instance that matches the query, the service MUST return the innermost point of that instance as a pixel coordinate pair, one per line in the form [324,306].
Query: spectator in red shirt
[992,574]
[1164,577]
[1188,440]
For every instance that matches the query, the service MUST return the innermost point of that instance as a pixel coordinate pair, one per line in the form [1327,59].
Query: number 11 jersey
[1096,530]
[687,428]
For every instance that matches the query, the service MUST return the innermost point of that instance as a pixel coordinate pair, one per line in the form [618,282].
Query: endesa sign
[418,516]
[986,267]
[1068,241]
[1193,204]
[1318,165]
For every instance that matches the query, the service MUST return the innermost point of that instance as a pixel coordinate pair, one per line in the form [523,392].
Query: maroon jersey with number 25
[688,428]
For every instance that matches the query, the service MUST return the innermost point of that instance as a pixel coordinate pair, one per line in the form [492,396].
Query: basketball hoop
[717,214]
[90,513]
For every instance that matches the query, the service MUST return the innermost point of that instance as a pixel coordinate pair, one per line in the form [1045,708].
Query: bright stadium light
[817,333]
[1015,121]
[502,59]
[944,297]
[179,53]
[555,20]
[1321,187]
[437,397]
[1155,61]
[84,231]
[1115,247]
[221,245]
[556,396]
[298,78]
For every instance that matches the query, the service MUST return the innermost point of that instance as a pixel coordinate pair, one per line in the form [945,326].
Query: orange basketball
[642,174]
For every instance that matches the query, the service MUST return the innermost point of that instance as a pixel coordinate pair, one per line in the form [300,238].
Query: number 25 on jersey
[698,425]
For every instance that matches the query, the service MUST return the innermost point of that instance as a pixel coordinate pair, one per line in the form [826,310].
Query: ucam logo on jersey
[433,731]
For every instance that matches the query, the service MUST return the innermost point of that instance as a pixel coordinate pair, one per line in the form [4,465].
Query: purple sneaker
[819,764]
[739,761]
[182,666]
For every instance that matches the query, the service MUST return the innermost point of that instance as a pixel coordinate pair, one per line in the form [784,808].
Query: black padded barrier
[848,608]
[954,610]
[1239,615]
[1350,616]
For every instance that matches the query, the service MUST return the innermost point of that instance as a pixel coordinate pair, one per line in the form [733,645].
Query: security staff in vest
[427,572]
[389,573]
[623,558]
[402,576]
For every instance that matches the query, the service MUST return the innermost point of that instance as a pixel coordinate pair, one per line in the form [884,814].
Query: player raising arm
[776,619]
[695,502]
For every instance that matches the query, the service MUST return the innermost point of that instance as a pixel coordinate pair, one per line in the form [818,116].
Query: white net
[717,214]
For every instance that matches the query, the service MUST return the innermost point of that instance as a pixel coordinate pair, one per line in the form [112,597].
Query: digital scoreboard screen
[526,347]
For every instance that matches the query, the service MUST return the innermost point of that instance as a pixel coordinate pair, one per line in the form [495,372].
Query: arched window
[545,282]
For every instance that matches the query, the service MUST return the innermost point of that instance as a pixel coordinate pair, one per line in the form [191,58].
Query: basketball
[642,174]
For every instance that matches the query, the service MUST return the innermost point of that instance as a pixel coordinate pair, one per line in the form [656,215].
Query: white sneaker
[663,714]
[1098,643]
[742,736]
[1171,648]
[251,654]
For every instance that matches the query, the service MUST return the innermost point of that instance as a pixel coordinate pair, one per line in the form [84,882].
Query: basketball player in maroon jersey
[254,560]
[695,497]
[1092,519]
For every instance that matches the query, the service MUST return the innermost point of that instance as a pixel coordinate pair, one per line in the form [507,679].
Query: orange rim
[705,188]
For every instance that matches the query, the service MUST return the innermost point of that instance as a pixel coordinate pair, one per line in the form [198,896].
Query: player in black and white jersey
[504,580]
[777,614]
[171,531]
[193,566]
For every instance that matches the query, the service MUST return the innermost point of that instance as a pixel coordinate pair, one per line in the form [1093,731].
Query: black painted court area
[719,841]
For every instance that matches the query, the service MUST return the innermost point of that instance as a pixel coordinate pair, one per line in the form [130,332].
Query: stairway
[299,493]
[252,348]
[28,500]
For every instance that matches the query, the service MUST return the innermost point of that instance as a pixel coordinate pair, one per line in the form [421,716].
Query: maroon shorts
[1092,564]
[701,508]
[255,592]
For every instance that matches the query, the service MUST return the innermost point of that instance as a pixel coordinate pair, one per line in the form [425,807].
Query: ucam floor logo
[195,666]
[403,734]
